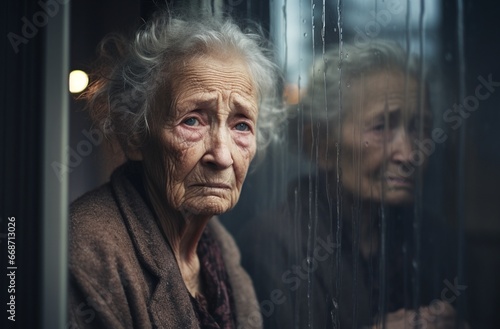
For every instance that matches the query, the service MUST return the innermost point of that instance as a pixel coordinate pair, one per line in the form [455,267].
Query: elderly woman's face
[201,155]
[379,137]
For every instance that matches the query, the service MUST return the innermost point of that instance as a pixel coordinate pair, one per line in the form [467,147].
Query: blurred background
[42,123]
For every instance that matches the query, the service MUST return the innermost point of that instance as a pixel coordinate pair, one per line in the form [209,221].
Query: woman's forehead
[212,72]
[385,91]
[385,81]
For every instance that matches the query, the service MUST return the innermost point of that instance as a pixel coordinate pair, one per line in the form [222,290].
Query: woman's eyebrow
[244,106]
[198,100]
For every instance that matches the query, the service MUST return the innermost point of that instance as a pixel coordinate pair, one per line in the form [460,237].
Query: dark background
[21,143]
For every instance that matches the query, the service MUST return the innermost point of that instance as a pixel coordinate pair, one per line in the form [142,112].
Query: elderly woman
[186,100]
[344,251]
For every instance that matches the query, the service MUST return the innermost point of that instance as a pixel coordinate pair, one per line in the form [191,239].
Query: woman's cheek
[373,138]
[246,142]
[189,135]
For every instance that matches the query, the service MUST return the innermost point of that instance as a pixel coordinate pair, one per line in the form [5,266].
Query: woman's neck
[369,235]
[365,218]
[183,231]
[369,216]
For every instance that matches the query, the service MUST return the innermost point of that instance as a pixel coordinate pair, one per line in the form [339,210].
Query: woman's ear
[131,148]
[134,154]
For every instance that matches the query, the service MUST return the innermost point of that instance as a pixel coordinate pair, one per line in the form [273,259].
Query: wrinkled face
[380,157]
[200,156]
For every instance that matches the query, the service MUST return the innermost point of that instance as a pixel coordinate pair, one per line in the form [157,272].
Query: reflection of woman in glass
[356,253]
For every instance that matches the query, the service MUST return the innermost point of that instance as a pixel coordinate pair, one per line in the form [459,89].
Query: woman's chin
[399,197]
[207,206]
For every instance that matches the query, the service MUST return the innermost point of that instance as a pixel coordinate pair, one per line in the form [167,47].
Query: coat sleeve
[105,289]
[93,307]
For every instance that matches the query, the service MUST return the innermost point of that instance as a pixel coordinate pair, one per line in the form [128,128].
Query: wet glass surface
[364,211]
[377,202]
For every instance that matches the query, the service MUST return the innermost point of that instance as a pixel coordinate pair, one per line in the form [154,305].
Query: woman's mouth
[214,185]
[399,181]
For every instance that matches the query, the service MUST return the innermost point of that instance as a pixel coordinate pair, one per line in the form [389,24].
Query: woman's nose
[401,148]
[218,149]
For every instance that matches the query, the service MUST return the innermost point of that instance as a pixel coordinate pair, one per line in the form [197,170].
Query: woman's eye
[419,125]
[242,126]
[379,127]
[191,122]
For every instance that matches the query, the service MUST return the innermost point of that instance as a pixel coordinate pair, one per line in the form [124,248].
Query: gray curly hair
[133,73]
[335,72]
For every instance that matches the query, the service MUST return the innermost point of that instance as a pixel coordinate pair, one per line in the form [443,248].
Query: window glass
[365,210]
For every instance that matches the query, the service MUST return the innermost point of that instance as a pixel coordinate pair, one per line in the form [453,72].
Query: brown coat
[123,273]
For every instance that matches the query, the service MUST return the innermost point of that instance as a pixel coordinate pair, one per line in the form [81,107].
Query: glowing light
[291,94]
[78,81]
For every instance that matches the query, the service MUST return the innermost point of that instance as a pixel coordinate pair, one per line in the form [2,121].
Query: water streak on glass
[337,277]
[419,182]
[461,154]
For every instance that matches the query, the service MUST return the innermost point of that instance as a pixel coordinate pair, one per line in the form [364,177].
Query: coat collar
[170,304]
